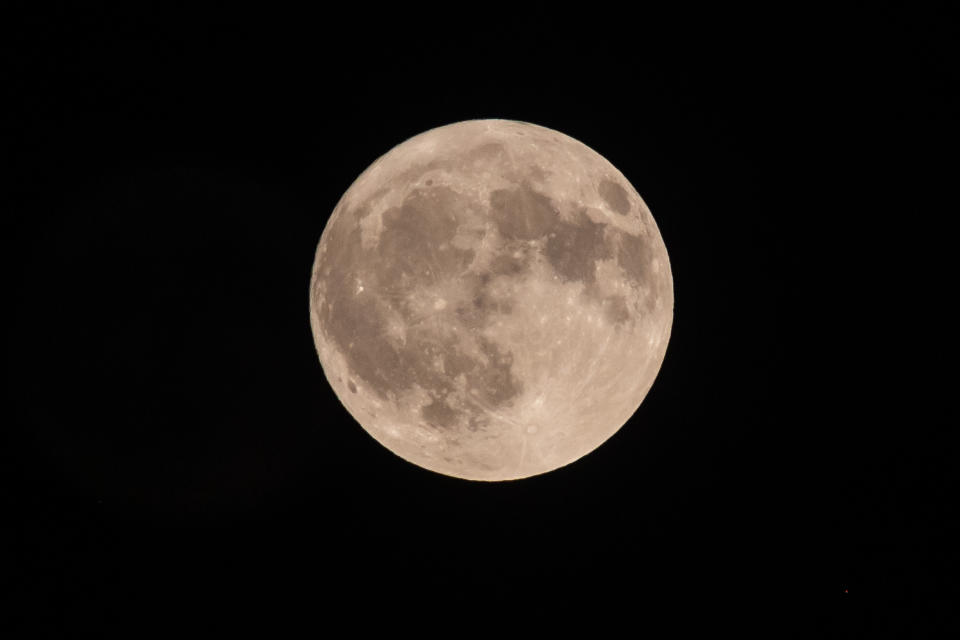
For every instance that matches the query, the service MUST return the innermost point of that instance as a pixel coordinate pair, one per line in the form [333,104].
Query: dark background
[175,457]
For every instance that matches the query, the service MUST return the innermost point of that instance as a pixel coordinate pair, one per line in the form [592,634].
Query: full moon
[491,300]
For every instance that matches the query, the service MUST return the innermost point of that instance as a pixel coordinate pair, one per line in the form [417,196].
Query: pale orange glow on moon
[491,300]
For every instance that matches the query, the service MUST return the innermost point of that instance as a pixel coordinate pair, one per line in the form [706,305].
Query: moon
[491,300]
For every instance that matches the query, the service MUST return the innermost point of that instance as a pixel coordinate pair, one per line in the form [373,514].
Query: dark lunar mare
[415,248]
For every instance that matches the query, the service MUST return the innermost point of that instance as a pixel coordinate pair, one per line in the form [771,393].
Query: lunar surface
[491,300]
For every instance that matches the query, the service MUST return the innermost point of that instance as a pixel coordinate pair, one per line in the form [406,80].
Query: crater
[414,173]
[615,196]
[352,386]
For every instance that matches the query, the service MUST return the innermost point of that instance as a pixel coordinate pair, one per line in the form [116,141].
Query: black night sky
[174,458]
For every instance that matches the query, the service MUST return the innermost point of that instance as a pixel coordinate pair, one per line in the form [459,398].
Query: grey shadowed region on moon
[491,300]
